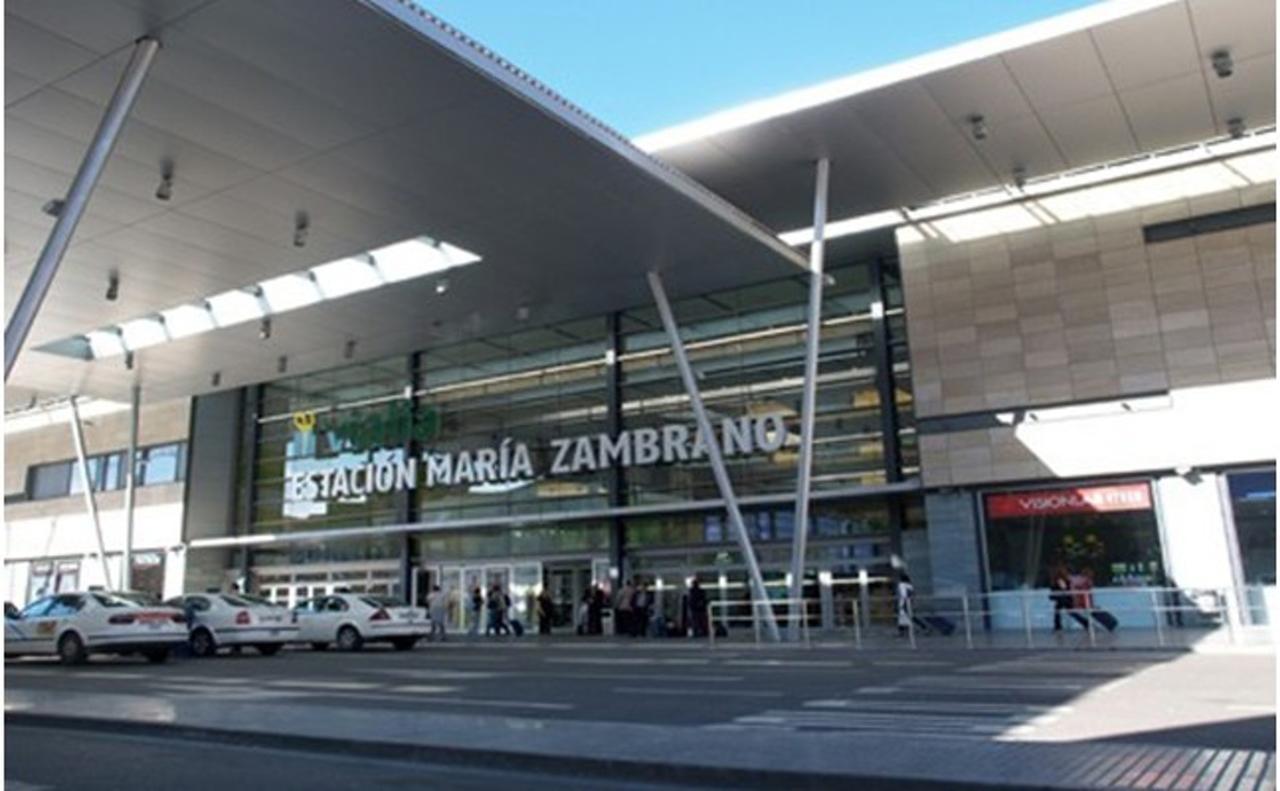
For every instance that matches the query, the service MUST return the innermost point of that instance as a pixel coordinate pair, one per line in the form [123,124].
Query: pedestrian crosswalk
[1009,708]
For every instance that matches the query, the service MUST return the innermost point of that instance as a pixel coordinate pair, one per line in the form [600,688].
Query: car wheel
[319,646]
[268,649]
[349,639]
[157,656]
[202,644]
[71,649]
[404,643]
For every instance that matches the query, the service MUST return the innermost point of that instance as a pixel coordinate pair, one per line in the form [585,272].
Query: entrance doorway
[523,581]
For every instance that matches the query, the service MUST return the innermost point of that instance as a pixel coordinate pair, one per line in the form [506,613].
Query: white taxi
[349,620]
[225,620]
[73,625]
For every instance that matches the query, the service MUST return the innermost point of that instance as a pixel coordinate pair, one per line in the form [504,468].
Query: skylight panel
[141,333]
[105,343]
[395,263]
[186,320]
[290,291]
[345,276]
[234,307]
[409,259]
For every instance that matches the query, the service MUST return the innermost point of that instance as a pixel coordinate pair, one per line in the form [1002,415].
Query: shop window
[1253,508]
[1109,530]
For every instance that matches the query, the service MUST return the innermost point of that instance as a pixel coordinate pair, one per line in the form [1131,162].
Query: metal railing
[1106,617]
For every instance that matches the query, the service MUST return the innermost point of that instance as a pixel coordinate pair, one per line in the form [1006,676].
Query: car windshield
[112,600]
[381,601]
[259,601]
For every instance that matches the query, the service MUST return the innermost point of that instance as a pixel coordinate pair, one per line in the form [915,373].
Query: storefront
[565,457]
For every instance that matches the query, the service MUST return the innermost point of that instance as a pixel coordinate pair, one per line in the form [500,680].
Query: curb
[563,765]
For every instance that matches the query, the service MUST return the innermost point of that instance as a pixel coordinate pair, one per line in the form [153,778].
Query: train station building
[405,317]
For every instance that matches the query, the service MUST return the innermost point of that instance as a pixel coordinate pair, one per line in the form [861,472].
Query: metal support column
[130,487]
[760,597]
[885,388]
[616,474]
[808,399]
[407,501]
[24,314]
[250,412]
[90,501]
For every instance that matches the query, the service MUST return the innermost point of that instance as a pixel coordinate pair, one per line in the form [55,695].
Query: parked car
[227,620]
[349,620]
[72,626]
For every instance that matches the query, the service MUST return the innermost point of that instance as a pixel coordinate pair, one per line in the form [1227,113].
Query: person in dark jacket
[698,609]
[546,611]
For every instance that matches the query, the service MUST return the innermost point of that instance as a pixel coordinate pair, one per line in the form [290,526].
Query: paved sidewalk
[739,757]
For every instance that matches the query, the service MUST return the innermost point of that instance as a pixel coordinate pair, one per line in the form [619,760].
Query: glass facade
[1253,508]
[542,388]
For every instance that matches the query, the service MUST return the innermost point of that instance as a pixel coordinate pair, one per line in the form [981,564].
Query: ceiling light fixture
[53,207]
[282,364]
[264,329]
[978,127]
[128,361]
[1235,127]
[442,285]
[1223,65]
[165,191]
[216,379]
[113,287]
[301,223]
[349,350]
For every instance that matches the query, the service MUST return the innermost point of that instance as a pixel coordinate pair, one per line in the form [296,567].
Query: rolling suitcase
[517,628]
[1106,620]
[935,623]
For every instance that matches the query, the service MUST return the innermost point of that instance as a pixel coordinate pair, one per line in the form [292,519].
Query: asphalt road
[48,759]
[1142,696]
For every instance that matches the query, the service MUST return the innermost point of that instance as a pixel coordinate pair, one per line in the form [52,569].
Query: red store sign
[1075,500]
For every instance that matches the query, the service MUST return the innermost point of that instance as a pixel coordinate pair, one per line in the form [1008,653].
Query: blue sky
[641,65]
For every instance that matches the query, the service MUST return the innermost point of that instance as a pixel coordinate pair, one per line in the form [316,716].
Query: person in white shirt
[904,592]
[437,609]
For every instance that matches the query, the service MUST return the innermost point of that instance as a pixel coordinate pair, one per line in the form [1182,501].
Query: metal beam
[95,158]
[90,501]
[130,486]
[759,595]
[885,386]
[809,396]
[616,477]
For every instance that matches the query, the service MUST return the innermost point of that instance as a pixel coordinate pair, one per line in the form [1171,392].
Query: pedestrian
[905,591]
[495,604]
[436,607]
[1059,592]
[641,602]
[698,609]
[474,610]
[623,622]
[595,612]
[546,610]
[584,612]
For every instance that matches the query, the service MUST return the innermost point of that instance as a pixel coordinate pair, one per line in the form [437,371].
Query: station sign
[356,473]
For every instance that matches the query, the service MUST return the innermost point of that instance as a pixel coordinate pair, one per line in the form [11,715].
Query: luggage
[935,623]
[517,628]
[1106,620]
